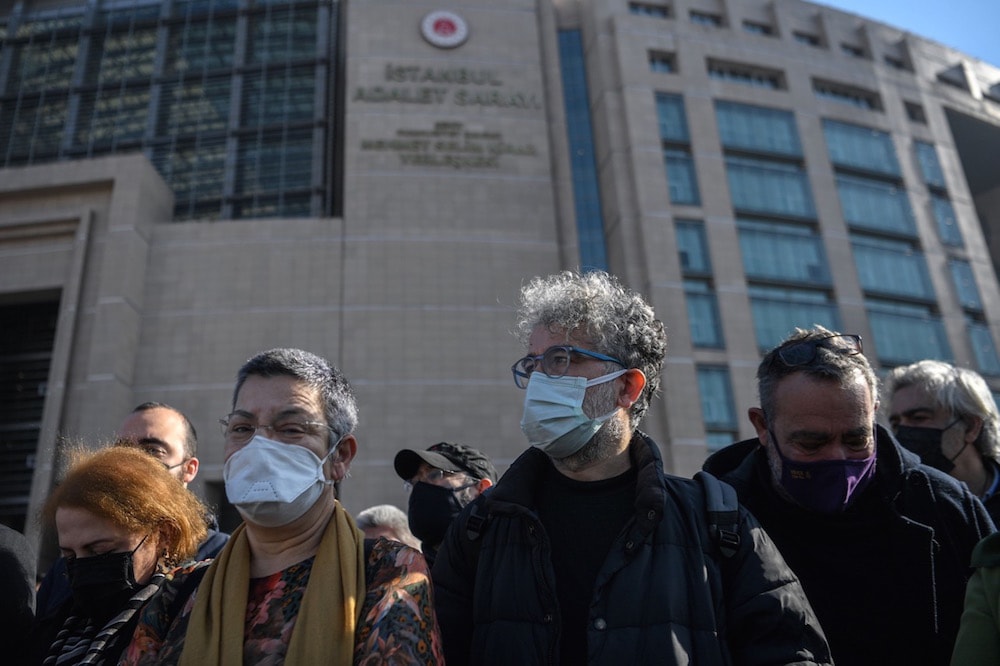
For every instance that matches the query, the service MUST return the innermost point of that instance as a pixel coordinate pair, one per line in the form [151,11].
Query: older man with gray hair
[947,416]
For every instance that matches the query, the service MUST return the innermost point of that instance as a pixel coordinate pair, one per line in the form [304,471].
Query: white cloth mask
[272,483]
[554,420]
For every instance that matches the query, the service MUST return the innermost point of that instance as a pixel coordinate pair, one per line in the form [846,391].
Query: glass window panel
[280,35]
[947,223]
[33,128]
[965,284]
[717,408]
[681,177]
[757,128]
[278,96]
[194,106]
[784,252]
[703,315]
[672,119]
[112,117]
[765,186]
[692,247]
[930,167]
[777,312]
[200,47]
[719,440]
[875,205]
[984,348]
[906,334]
[120,56]
[583,164]
[43,66]
[275,161]
[194,169]
[891,267]
[860,147]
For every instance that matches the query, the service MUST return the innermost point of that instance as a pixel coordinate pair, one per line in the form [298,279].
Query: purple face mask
[825,486]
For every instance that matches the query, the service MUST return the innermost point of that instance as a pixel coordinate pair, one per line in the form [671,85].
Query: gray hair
[389,517]
[595,306]
[961,391]
[827,365]
[339,405]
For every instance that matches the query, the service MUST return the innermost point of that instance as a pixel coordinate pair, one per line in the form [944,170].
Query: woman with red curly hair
[122,521]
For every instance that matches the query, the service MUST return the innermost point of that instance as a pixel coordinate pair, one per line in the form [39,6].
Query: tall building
[184,183]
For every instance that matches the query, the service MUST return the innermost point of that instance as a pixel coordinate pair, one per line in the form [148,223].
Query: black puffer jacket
[886,577]
[664,594]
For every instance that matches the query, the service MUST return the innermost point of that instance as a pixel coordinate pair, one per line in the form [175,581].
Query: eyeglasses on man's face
[238,430]
[554,362]
[803,353]
[435,476]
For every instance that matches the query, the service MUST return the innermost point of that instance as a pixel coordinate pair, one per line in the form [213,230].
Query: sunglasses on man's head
[802,353]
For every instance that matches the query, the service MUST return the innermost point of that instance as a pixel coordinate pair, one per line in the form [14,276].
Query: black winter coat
[887,576]
[664,594]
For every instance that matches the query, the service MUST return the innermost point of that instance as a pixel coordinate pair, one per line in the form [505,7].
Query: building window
[874,205]
[852,50]
[769,187]
[692,248]
[748,75]
[983,347]
[717,407]
[891,268]
[862,148]
[777,311]
[905,333]
[706,19]
[583,163]
[947,222]
[894,62]
[164,85]
[672,118]
[758,129]
[649,9]
[755,28]
[915,113]
[681,176]
[660,61]
[806,38]
[838,92]
[930,167]
[703,314]
[699,294]
[965,285]
[777,252]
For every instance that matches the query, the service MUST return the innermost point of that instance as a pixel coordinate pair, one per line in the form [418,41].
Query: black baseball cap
[447,456]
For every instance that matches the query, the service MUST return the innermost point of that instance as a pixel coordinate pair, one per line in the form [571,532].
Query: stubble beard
[606,442]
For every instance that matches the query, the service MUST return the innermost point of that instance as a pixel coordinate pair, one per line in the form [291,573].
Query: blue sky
[972,26]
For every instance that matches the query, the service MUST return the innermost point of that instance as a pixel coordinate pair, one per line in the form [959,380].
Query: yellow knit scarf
[330,609]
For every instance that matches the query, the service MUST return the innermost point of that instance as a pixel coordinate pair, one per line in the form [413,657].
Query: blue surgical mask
[554,420]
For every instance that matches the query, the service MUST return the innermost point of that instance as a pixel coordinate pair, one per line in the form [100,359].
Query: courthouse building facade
[184,183]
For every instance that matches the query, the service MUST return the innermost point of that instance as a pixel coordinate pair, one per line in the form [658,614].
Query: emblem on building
[444,29]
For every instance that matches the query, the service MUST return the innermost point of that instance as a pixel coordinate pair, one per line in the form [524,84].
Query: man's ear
[190,467]
[633,382]
[483,485]
[973,426]
[759,422]
[340,461]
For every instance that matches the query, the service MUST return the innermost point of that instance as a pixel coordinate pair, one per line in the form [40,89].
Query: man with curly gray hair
[947,416]
[585,551]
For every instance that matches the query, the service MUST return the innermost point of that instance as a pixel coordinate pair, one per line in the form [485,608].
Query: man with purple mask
[881,543]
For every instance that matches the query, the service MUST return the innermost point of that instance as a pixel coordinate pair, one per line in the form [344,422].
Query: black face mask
[926,443]
[431,510]
[101,584]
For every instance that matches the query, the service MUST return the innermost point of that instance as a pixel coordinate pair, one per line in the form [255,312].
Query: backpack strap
[475,523]
[722,512]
